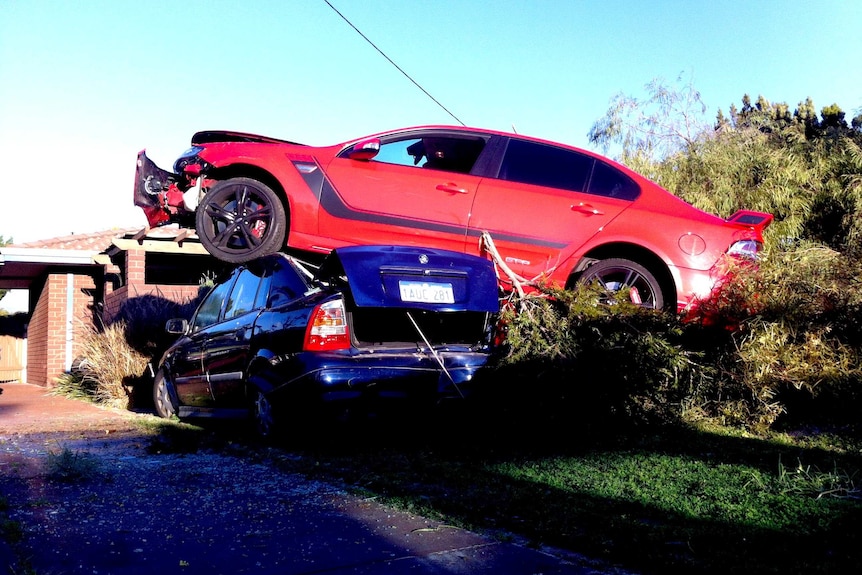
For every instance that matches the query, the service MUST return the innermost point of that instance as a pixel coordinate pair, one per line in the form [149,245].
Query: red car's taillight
[745,249]
[327,330]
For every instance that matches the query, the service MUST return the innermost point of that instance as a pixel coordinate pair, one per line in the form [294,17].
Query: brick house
[78,282]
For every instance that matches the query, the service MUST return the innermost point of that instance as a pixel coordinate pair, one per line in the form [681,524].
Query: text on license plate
[426,292]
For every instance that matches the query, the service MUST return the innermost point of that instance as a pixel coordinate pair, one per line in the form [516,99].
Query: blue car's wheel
[262,414]
[164,396]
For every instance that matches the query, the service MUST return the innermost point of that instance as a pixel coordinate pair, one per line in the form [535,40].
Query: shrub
[109,367]
[68,466]
[778,343]
[796,344]
[144,319]
[73,384]
[114,367]
[806,341]
[605,363]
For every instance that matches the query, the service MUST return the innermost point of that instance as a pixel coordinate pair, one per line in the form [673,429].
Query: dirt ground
[124,509]
[33,421]
[28,409]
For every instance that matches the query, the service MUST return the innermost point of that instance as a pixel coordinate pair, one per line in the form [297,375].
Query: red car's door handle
[452,188]
[587,209]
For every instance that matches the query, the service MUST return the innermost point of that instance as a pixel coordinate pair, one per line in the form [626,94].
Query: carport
[76,282]
[63,286]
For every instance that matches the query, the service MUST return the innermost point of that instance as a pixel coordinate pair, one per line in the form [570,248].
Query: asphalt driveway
[135,511]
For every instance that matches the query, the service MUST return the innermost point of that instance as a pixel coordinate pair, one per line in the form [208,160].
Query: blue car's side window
[242,296]
[209,311]
[286,285]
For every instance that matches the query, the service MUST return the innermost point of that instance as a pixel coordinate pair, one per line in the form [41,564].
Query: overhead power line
[397,67]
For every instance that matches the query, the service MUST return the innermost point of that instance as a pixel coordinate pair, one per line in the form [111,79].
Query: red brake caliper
[635,296]
[259,228]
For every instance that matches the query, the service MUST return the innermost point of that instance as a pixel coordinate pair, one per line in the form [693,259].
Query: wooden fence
[13,357]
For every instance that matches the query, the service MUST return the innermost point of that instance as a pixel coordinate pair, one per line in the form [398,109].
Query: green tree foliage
[667,121]
[798,318]
[595,364]
[803,167]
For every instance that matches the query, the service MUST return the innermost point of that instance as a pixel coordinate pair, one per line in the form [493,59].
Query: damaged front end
[167,197]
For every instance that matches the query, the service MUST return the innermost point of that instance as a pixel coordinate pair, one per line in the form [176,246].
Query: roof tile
[95,241]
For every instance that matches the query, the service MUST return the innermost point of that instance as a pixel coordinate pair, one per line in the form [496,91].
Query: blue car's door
[187,363]
[228,344]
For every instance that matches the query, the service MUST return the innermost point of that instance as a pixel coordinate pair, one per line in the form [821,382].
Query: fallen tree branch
[487,244]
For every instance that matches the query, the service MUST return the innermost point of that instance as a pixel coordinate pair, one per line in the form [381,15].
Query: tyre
[164,396]
[241,219]
[262,414]
[625,279]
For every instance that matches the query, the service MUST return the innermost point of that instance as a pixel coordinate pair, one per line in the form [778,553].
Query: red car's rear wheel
[241,219]
[625,279]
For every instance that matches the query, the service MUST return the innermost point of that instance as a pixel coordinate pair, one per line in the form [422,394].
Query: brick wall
[135,285]
[55,335]
[49,336]
[37,342]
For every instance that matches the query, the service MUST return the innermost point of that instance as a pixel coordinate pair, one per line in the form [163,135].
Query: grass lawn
[655,501]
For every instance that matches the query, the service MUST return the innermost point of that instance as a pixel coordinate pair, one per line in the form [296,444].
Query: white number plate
[426,292]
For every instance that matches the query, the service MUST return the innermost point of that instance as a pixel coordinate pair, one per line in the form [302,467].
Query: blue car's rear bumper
[383,375]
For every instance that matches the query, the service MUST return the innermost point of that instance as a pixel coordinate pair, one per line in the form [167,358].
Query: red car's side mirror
[364,150]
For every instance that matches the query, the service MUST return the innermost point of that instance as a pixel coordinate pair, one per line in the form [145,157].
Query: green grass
[71,466]
[10,530]
[654,500]
[678,500]
[12,533]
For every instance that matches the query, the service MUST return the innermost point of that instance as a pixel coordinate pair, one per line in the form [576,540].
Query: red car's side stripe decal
[332,203]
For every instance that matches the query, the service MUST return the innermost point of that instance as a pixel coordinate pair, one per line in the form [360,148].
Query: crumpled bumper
[156,192]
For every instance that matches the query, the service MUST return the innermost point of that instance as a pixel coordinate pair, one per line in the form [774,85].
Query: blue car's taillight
[327,329]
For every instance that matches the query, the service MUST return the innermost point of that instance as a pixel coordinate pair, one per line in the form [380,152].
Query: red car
[552,210]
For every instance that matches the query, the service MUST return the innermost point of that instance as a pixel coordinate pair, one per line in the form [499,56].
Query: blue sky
[85,85]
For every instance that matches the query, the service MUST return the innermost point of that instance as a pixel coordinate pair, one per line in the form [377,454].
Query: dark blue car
[371,324]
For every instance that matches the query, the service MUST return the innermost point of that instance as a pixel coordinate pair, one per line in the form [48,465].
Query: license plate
[426,292]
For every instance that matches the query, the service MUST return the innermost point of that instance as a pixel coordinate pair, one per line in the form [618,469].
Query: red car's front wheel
[241,219]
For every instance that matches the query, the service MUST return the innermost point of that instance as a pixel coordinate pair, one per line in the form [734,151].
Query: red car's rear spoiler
[751,220]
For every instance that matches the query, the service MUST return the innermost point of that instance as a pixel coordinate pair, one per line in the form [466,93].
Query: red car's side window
[609,182]
[549,166]
[446,153]
[398,152]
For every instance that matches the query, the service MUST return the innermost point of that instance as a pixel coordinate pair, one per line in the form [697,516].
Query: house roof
[20,266]
[22,263]
[97,241]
